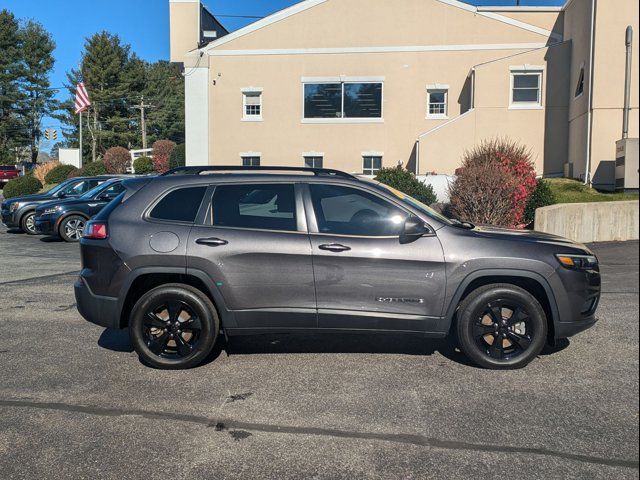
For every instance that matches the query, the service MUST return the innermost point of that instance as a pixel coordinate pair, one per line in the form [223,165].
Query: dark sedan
[20,212]
[67,218]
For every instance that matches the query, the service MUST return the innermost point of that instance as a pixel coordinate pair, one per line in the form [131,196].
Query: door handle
[334,247]
[211,242]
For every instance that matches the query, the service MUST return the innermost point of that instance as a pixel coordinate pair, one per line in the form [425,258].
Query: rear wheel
[174,326]
[501,326]
[28,223]
[71,228]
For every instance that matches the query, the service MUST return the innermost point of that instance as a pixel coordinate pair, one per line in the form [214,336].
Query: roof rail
[227,168]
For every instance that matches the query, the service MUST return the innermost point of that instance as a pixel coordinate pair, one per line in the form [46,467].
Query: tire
[28,224]
[162,316]
[489,334]
[71,227]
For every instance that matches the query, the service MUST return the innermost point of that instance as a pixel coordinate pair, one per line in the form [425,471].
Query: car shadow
[15,231]
[283,343]
[51,239]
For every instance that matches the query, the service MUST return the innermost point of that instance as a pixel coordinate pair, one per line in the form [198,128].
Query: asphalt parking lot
[75,402]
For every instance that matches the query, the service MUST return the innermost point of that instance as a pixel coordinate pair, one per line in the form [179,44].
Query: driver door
[365,277]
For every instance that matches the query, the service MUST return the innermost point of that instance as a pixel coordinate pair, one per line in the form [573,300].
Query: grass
[573,191]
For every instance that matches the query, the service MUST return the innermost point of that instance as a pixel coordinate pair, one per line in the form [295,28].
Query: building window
[252,104]
[526,88]
[437,100]
[343,100]
[580,85]
[313,161]
[251,161]
[371,164]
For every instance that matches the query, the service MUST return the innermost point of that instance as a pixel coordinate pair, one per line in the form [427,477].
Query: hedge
[92,169]
[178,156]
[17,187]
[143,166]
[59,174]
[407,183]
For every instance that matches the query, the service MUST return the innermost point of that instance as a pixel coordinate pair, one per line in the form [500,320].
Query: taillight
[95,231]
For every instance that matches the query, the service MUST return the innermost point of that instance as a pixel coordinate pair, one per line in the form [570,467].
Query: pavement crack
[240,430]
[43,277]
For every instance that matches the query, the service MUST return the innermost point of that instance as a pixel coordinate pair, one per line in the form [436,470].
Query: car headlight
[577,262]
[50,211]
[14,206]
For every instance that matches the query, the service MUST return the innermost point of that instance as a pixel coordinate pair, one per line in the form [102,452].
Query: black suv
[179,258]
[66,218]
[20,212]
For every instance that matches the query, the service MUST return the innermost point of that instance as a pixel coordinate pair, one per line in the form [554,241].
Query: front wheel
[501,326]
[71,228]
[174,326]
[28,223]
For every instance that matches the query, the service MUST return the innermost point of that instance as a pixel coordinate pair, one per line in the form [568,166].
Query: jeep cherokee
[180,258]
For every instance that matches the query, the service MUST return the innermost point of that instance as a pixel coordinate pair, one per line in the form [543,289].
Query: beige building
[360,84]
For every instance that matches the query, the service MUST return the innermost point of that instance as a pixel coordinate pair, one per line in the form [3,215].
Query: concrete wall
[591,222]
[184,27]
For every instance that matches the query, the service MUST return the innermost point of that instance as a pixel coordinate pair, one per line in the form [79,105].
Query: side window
[258,206]
[349,211]
[180,205]
[113,191]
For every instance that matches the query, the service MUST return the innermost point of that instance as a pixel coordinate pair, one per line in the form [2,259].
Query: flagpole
[81,163]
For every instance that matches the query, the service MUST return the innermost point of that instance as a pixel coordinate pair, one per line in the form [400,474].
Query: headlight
[14,206]
[50,211]
[578,262]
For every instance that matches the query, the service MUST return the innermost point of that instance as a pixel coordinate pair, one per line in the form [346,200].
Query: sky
[144,24]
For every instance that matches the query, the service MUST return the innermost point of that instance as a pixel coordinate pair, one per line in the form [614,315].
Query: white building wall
[197,116]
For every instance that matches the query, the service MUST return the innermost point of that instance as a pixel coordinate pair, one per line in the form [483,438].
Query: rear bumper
[96,309]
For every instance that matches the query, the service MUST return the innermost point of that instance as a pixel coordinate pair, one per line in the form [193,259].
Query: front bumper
[94,308]
[46,225]
[9,219]
[582,298]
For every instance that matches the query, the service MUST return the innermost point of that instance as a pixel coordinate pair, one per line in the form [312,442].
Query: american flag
[82,98]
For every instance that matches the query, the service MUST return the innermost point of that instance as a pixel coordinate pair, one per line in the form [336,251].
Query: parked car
[8,172]
[20,212]
[178,258]
[66,218]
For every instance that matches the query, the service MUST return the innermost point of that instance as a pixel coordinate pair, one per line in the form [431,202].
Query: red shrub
[494,174]
[161,153]
[117,160]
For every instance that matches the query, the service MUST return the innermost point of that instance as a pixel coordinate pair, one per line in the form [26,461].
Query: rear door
[365,278]
[255,247]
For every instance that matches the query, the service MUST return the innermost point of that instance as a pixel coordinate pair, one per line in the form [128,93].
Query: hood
[527,236]
[60,203]
[39,197]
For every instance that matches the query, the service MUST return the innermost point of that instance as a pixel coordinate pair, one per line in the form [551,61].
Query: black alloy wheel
[501,326]
[174,326]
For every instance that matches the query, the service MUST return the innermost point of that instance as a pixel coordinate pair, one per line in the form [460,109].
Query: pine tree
[38,101]
[165,90]
[11,71]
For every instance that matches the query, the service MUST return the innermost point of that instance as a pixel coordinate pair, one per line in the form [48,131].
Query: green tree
[165,91]
[38,102]
[11,71]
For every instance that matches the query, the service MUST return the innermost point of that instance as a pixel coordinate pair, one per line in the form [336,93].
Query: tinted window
[262,207]
[180,205]
[113,191]
[77,188]
[349,211]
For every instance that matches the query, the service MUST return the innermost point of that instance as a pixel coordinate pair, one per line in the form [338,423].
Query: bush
[21,186]
[143,165]
[407,183]
[162,150]
[178,156]
[117,160]
[92,169]
[475,199]
[542,196]
[59,174]
[42,170]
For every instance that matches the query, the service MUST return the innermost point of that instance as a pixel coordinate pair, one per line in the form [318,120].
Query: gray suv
[180,258]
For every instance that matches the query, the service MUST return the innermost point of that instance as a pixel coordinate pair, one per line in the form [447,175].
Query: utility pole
[143,122]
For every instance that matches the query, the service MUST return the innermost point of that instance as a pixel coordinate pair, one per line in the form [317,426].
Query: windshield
[416,204]
[95,190]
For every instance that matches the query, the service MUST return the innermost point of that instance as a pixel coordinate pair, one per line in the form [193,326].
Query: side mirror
[413,229]
[105,197]
[62,195]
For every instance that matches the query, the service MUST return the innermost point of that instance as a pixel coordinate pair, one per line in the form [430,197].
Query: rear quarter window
[180,205]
